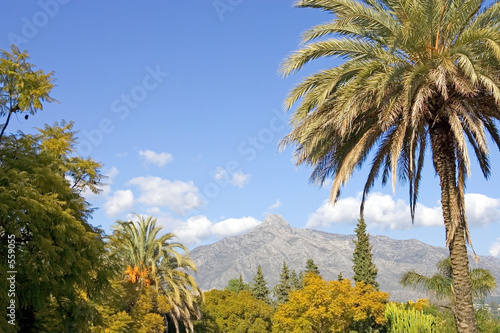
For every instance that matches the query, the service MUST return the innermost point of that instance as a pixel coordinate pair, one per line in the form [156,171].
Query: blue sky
[182,103]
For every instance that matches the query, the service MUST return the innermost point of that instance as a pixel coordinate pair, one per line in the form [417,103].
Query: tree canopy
[59,254]
[22,88]
[418,75]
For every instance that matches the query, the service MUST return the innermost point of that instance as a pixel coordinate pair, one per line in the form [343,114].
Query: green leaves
[58,254]
[22,89]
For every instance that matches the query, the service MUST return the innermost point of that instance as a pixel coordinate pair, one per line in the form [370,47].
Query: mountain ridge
[274,240]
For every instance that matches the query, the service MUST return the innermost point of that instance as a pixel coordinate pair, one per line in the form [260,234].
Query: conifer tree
[296,280]
[311,267]
[259,287]
[283,288]
[364,268]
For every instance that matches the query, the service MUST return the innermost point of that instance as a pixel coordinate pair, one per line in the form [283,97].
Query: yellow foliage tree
[332,306]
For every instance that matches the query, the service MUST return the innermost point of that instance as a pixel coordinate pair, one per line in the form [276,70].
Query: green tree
[418,75]
[228,312]
[441,284]
[259,287]
[296,280]
[22,89]
[364,268]
[148,259]
[60,258]
[237,285]
[311,267]
[284,286]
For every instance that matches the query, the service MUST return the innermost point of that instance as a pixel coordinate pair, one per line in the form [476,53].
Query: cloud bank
[386,212]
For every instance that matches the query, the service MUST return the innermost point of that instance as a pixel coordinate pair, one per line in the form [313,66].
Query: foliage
[155,273]
[311,267]
[418,75]
[228,312]
[22,89]
[401,319]
[61,260]
[364,268]
[440,284]
[486,322]
[332,306]
[237,285]
[296,281]
[259,287]
[284,286]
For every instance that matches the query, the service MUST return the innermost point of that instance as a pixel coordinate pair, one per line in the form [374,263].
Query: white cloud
[220,173]
[481,209]
[495,249]
[240,179]
[386,212]
[194,230]
[121,201]
[177,195]
[275,205]
[159,159]
[198,228]
[233,227]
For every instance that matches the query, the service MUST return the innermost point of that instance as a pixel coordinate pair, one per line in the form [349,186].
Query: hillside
[274,240]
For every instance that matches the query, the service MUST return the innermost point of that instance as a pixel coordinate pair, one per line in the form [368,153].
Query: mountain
[274,240]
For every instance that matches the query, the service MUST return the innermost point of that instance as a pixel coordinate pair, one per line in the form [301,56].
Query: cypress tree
[311,267]
[296,281]
[283,288]
[364,268]
[259,288]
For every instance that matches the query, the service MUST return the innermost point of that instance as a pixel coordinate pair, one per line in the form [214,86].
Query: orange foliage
[331,306]
[135,275]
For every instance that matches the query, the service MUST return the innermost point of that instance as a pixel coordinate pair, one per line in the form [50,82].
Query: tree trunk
[444,158]
[5,125]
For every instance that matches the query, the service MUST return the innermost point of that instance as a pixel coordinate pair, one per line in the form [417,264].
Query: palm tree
[441,284]
[153,260]
[417,74]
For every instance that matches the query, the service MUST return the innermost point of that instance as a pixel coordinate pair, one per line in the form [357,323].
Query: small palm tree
[441,284]
[155,261]
[418,75]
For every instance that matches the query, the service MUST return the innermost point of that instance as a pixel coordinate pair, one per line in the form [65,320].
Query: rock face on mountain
[274,240]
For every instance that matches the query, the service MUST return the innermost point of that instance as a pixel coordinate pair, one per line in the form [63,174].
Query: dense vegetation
[407,82]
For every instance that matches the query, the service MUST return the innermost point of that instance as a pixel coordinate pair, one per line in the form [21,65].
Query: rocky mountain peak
[274,222]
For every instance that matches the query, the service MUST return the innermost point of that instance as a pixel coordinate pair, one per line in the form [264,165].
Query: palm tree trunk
[443,151]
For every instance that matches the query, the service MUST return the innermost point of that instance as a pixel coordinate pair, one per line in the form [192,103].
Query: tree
[333,306]
[259,287]
[441,284]
[228,312]
[296,280]
[148,259]
[311,267]
[364,268]
[22,89]
[418,75]
[283,288]
[60,258]
[237,285]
